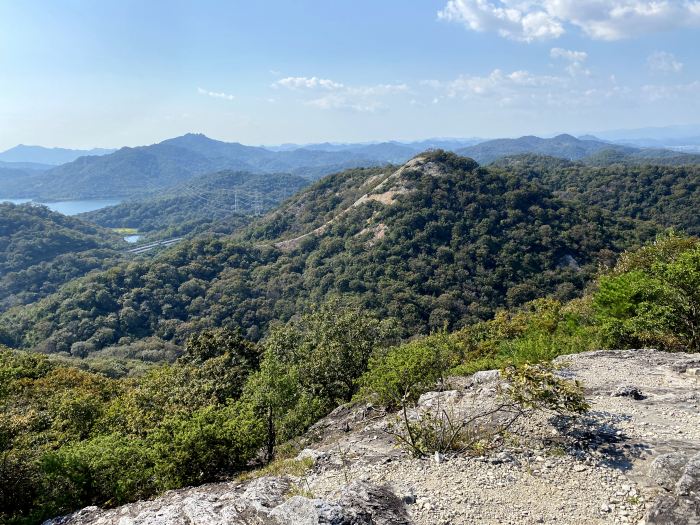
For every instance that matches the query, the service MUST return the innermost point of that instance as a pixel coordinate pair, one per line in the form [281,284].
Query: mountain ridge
[50,156]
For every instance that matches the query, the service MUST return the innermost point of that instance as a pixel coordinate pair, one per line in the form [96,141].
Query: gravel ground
[604,480]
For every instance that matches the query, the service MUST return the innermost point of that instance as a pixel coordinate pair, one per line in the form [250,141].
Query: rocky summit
[633,458]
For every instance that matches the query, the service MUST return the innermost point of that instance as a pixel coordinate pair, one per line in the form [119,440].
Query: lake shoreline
[69,207]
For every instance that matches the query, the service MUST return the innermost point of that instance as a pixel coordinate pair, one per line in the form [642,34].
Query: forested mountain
[41,249]
[665,195]
[130,172]
[589,150]
[226,197]
[393,152]
[561,146]
[11,175]
[437,242]
[52,156]
[650,156]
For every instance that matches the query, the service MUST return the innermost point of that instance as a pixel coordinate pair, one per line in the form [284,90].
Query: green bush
[104,470]
[537,332]
[652,297]
[407,371]
[331,348]
[206,446]
[539,388]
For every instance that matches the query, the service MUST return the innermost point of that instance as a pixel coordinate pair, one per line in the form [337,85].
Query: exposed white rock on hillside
[635,458]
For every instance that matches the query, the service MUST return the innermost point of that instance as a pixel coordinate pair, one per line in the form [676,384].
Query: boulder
[682,505]
[485,376]
[667,469]
[689,483]
[304,511]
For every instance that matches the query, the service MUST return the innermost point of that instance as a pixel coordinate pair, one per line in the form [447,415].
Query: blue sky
[112,73]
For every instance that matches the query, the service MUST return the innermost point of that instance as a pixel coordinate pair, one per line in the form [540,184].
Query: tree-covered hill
[590,150]
[11,175]
[213,200]
[439,241]
[129,172]
[41,249]
[561,146]
[666,195]
[651,156]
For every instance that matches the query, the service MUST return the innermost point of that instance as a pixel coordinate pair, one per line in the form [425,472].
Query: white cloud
[497,84]
[530,20]
[343,101]
[214,94]
[509,18]
[365,99]
[664,92]
[307,83]
[567,54]
[575,60]
[379,89]
[523,89]
[664,62]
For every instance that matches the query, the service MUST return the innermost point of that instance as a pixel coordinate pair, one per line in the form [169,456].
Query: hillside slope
[41,249]
[666,195]
[437,242]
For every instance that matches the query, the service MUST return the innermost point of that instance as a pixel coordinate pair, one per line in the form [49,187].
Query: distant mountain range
[50,156]
[448,144]
[25,166]
[587,149]
[681,138]
[130,172]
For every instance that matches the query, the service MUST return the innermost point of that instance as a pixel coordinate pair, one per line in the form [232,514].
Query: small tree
[331,348]
[273,392]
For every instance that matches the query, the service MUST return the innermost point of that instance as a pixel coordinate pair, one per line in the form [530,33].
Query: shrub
[528,389]
[539,388]
[537,332]
[405,372]
[652,298]
[105,470]
[209,445]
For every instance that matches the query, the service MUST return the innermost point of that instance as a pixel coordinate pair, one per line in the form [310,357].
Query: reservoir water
[71,207]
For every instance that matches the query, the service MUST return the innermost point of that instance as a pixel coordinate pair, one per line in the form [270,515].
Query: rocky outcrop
[680,477]
[264,501]
[634,458]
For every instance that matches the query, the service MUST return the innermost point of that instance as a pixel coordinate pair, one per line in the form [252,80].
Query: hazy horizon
[124,73]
